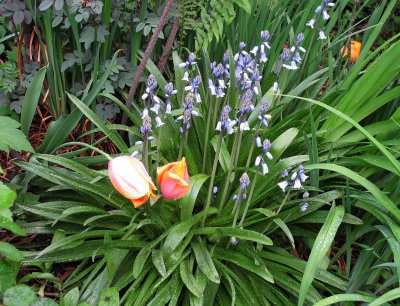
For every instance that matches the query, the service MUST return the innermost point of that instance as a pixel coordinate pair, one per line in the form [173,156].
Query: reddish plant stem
[168,45]
[146,57]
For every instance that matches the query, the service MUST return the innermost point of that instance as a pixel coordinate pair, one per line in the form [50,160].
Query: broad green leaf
[109,297]
[180,230]
[39,275]
[71,297]
[204,261]
[379,146]
[144,253]
[20,295]
[188,201]
[11,226]
[9,251]
[244,262]
[344,298]
[11,137]
[7,196]
[44,302]
[158,262]
[7,275]
[114,137]
[376,192]
[188,279]
[236,232]
[31,100]
[387,297]
[320,248]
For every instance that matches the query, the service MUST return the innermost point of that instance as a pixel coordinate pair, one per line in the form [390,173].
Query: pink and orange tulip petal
[173,179]
[130,178]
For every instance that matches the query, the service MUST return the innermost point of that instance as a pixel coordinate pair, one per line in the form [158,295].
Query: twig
[146,57]
[168,45]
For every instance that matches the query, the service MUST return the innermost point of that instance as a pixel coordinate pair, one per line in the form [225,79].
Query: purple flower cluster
[296,179]
[323,9]
[260,159]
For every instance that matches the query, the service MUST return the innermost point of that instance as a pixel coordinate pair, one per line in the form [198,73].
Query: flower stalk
[211,186]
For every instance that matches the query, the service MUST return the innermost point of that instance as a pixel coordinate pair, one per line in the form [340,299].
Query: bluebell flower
[260,50]
[296,179]
[235,198]
[225,123]
[151,85]
[234,241]
[146,125]
[321,34]
[275,86]
[304,207]
[285,172]
[242,45]
[191,62]
[244,183]
[225,59]
[215,190]
[260,159]
[169,91]
[311,23]
[194,87]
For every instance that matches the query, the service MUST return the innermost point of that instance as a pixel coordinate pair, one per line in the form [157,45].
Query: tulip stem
[228,177]
[253,184]
[214,169]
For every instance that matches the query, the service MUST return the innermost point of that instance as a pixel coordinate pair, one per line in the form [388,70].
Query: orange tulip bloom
[130,178]
[355,51]
[173,179]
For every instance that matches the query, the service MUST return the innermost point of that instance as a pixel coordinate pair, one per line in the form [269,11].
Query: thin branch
[146,57]
[168,45]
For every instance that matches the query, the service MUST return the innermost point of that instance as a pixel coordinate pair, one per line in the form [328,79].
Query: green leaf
[31,100]
[188,279]
[20,295]
[109,297]
[44,302]
[9,251]
[388,296]
[344,298]
[204,261]
[7,196]
[7,275]
[72,297]
[243,262]
[158,262]
[11,137]
[236,232]
[188,201]
[11,226]
[39,275]
[320,248]
[114,137]
[376,192]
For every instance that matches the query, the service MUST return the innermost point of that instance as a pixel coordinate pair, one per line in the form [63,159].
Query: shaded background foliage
[340,120]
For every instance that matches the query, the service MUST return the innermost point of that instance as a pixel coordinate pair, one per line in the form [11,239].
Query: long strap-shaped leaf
[114,137]
[376,192]
[321,246]
[31,100]
[379,146]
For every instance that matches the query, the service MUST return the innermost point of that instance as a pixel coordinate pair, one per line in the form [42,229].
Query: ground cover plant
[261,168]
